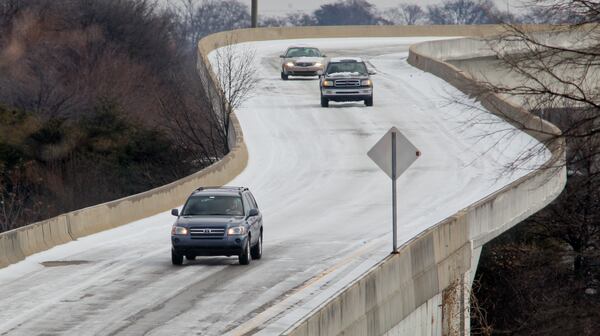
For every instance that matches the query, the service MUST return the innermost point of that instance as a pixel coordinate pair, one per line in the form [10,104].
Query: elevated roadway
[326,208]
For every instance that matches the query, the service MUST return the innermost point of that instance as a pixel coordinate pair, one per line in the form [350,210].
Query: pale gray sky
[281,7]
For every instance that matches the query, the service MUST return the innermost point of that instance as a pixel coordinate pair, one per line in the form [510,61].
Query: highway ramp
[326,209]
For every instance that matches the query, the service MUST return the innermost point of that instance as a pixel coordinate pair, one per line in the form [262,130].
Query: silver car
[302,61]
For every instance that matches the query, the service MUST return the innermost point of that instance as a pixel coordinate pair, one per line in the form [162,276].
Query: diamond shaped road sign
[406,153]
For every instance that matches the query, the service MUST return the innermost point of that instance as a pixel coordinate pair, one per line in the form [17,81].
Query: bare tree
[462,12]
[204,17]
[480,324]
[406,14]
[558,81]
[235,71]
[274,21]
[551,75]
[83,88]
[190,121]
[8,10]
[563,11]
[540,15]
[301,19]
[348,12]
[290,20]
[554,75]
[13,195]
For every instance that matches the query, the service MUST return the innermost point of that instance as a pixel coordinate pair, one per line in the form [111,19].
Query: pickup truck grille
[342,83]
[304,64]
[200,232]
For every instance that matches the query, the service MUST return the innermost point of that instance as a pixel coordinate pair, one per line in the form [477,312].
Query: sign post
[254,14]
[394,153]
[394,200]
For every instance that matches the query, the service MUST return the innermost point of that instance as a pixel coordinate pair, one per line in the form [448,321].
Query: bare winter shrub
[108,102]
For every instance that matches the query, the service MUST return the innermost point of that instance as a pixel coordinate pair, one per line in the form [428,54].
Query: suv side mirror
[253,212]
[323,55]
[372,72]
[175,212]
[281,56]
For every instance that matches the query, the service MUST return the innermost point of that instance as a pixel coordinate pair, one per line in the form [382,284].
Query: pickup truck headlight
[289,64]
[327,83]
[366,82]
[179,231]
[236,231]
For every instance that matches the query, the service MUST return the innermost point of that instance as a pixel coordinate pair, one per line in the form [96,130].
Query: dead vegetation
[99,100]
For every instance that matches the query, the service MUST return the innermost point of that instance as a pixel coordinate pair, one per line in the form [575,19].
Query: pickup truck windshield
[202,205]
[350,68]
[303,52]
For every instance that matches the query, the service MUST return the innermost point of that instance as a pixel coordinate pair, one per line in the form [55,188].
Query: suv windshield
[203,205]
[347,68]
[303,52]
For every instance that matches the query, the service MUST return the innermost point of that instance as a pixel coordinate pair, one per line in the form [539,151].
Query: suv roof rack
[223,187]
[345,59]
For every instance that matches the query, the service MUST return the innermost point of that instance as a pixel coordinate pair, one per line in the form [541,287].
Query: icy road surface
[326,211]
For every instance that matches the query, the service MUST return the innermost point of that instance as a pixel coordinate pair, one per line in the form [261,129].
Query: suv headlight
[236,231]
[366,82]
[289,64]
[327,83]
[318,64]
[179,231]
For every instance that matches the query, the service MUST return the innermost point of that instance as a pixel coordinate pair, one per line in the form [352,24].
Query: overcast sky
[281,7]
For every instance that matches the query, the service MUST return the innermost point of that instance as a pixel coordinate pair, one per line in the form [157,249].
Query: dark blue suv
[218,221]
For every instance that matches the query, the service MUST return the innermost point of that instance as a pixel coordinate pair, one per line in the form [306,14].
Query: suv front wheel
[176,258]
[324,102]
[284,76]
[256,250]
[244,258]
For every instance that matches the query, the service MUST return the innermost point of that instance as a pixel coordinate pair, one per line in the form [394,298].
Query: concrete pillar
[475,254]
[456,315]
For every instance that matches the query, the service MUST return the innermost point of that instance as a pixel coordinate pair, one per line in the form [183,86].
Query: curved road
[326,208]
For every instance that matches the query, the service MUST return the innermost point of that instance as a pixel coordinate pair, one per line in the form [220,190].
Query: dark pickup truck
[218,221]
[346,79]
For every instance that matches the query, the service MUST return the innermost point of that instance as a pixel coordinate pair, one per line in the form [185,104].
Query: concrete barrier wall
[217,40]
[422,321]
[397,286]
